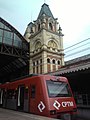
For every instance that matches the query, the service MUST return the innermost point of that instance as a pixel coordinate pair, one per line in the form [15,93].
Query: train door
[32,99]
[1,97]
[26,99]
[20,98]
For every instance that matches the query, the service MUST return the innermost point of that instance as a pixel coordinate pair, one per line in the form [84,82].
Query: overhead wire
[77,43]
[75,49]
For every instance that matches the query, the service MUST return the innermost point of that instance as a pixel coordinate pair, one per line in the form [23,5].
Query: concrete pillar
[44,62]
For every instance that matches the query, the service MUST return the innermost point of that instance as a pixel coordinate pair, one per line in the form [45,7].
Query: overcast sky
[73,16]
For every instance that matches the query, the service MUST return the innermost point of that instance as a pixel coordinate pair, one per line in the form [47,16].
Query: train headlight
[52,112]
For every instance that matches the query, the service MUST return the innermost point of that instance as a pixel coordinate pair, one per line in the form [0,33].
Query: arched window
[50,26]
[40,60]
[33,67]
[58,62]
[38,27]
[48,60]
[53,61]
[37,69]
[37,62]
[48,65]
[33,63]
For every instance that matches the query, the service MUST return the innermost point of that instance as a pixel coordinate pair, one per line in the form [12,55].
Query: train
[44,95]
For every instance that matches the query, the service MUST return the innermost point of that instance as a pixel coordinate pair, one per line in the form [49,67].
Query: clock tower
[46,43]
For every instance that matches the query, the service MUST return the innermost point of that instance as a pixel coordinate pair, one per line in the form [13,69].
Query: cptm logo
[57,105]
[41,106]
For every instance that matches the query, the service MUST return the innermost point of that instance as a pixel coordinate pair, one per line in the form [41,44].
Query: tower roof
[45,10]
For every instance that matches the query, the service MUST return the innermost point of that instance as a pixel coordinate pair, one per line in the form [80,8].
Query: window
[40,60]
[7,28]
[58,89]
[8,36]
[38,27]
[49,68]
[1,25]
[58,62]
[33,91]
[37,69]
[53,61]
[1,34]
[1,96]
[24,45]
[37,62]
[11,94]
[50,26]
[26,93]
[33,63]
[40,69]
[17,41]
[48,60]
[33,69]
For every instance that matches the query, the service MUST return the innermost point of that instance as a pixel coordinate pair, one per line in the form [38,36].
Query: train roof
[33,75]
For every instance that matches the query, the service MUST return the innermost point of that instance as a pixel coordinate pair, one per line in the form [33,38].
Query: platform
[6,114]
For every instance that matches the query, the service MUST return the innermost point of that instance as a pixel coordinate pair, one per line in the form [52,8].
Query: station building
[46,43]
[42,42]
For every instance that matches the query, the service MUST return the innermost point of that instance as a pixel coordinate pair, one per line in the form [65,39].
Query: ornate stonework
[46,43]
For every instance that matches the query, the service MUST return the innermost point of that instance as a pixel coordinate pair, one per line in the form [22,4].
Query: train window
[33,91]
[11,94]
[58,89]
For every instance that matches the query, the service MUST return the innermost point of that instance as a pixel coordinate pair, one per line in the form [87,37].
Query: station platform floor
[6,114]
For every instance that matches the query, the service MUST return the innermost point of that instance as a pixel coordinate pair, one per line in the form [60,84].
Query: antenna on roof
[31,16]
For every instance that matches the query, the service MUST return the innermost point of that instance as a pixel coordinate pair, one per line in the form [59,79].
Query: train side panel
[44,95]
[24,95]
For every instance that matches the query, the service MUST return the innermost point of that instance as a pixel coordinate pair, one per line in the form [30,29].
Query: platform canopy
[14,52]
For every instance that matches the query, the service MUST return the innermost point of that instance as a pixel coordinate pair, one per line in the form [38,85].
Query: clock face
[38,45]
[52,44]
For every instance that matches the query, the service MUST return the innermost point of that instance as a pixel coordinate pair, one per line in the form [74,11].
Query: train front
[61,103]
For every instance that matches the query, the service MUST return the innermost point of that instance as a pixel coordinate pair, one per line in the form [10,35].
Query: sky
[73,16]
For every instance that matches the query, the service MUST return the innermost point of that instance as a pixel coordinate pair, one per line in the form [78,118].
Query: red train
[44,95]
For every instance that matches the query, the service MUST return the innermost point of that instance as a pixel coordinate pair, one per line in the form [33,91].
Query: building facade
[46,43]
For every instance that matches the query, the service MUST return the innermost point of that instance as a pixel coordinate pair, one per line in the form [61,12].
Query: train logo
[56,105]
[41,106]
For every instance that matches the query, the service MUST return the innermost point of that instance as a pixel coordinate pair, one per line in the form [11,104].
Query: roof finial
[44,1]
[59,29]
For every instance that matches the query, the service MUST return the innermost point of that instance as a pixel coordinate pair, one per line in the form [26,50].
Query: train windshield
[58,89]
